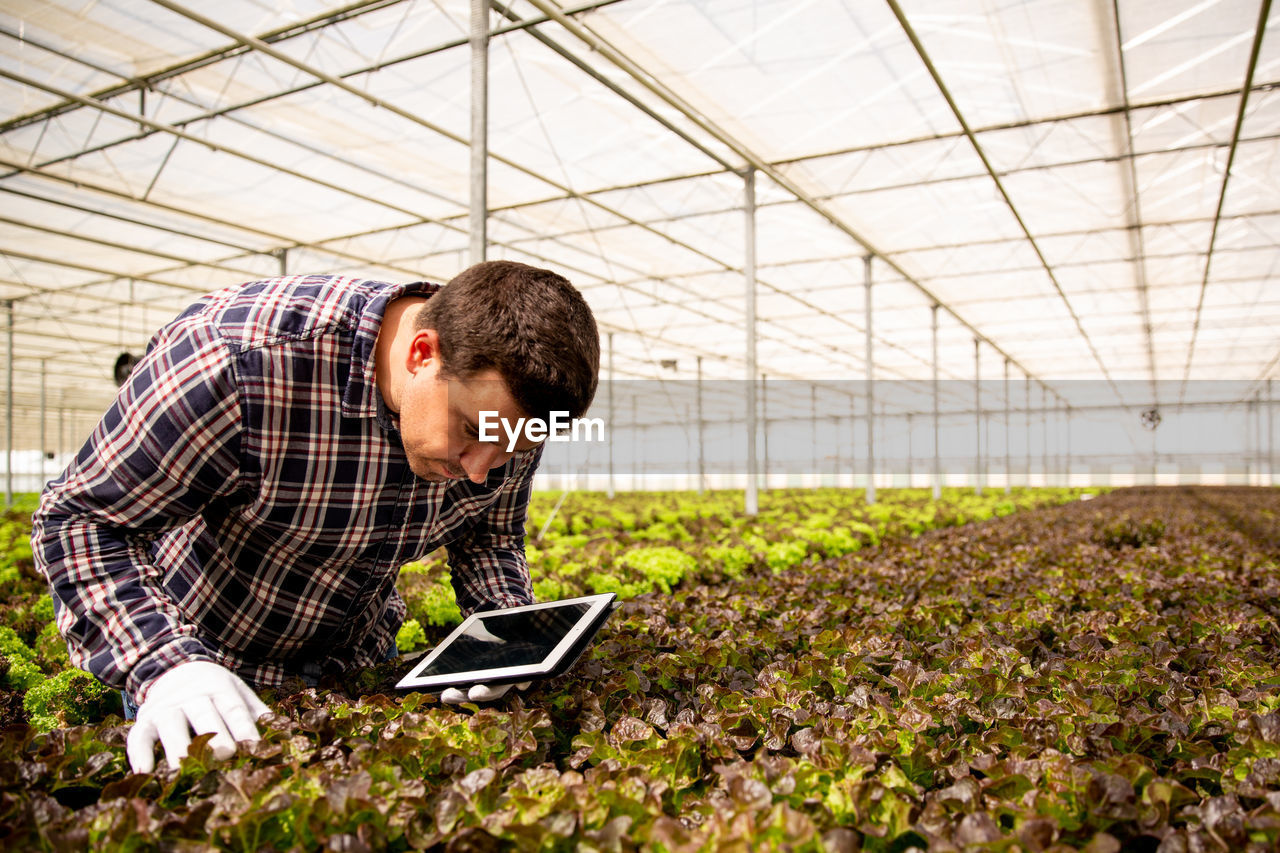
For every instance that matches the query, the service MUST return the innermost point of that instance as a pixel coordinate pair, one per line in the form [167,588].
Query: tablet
[516,644]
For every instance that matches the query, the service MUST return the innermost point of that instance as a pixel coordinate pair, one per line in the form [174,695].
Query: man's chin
[425,470]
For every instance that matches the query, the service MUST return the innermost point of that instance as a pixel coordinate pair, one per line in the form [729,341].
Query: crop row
[637,542]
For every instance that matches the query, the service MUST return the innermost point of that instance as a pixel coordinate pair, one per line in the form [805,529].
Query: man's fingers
[477,693]
[237,716]
[487,692]
[205,719]
[140,747]
[257,708]
[171,726]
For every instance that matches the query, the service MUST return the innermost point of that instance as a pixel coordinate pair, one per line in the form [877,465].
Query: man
[240,513]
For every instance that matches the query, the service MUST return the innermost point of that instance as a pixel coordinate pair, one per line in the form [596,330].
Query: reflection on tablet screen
[503,639]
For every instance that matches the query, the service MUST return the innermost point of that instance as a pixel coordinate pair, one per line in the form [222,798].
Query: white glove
[479,693]
[195,696]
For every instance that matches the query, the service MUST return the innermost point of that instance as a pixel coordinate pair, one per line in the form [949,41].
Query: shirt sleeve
[166,448]
[487,563]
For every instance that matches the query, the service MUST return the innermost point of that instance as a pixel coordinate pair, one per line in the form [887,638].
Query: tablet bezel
[552,665]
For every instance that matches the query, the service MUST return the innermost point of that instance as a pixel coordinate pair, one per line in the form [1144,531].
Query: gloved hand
[196,696]
[479,693]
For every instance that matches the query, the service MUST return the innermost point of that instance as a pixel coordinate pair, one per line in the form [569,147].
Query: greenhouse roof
[1088,190]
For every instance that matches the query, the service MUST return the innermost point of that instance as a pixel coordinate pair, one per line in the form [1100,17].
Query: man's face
[440,419]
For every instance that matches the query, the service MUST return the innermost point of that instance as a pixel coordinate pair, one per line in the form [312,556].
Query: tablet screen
[514,644]
[499,639]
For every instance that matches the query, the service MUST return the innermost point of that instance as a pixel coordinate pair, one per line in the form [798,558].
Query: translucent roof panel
[1052,176]
[1014,62]
[1173,49]
[786,78]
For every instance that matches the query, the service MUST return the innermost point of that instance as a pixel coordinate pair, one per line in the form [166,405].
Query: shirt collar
[361,398]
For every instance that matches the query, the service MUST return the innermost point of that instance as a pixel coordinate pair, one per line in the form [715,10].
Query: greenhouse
[930,446]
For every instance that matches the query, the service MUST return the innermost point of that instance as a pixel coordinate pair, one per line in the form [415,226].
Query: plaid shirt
[246,499]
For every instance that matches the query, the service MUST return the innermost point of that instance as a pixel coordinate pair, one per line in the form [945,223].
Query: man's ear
[424,348]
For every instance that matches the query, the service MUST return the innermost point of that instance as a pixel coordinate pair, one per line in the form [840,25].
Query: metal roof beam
[995,177]
[134,84]
[938,137]
[278,240]
[1043,167]
[117,217]
[112,244]
[272,37]
[1037,122]
[1264,11]
[213,146]
[227,115]
[655,221]
[1117,83]
[70,264]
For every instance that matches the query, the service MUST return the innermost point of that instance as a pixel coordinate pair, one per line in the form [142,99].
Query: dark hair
[529,324]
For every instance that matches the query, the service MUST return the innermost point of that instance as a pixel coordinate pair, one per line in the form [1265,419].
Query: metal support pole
[44,433]
[764,423]
[479,220]
[1258,413]
[1067,482]
[835,441]
[1271,447]
[1248,442]
[1048,419]
[882,421]
[688,453]
[702,457]
[749,207]
[853,440]
[1064,464]
[1044,433]
[8,424]
[871,428]
[937,449]
[1057,439]
[1026,388]
[1008,451]
[1257,439]
[977,415]
[611,418]
[283,256]
[813,430]
[987,456]
[911,455]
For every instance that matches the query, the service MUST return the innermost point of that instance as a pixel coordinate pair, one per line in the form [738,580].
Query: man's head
[529,324]
[503,337]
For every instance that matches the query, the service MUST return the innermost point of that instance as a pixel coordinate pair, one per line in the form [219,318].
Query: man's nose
[478,459]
